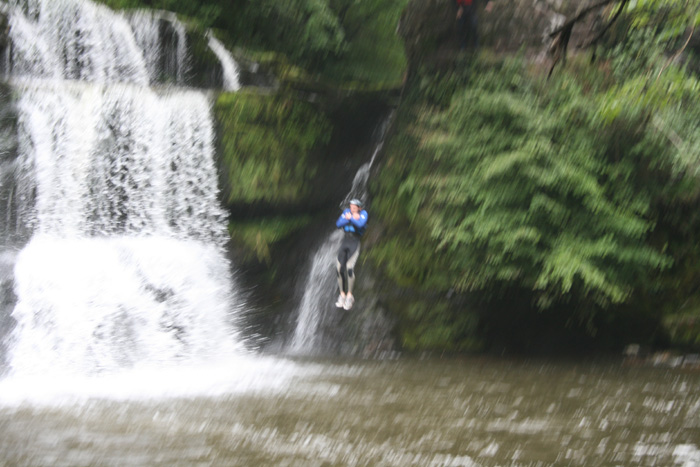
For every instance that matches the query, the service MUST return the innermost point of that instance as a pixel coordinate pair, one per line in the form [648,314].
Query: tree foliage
[515,189]
[576,195]
[343,40]
[518,184]
[670,19]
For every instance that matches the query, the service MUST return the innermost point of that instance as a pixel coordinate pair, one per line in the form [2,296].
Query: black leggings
[347,257]
[467,28]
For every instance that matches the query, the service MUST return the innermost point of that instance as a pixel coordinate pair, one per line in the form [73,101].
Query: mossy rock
[259,236]
[205,70]
[268,148]
[683,328]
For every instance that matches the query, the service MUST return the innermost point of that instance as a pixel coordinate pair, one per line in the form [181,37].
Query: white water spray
[115,182]
[72,39]
[318,296]
[146,27]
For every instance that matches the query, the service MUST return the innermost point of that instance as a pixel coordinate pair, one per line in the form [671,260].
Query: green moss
[267,145]
[375,54]
[682,324]
[258,236]
[435,325]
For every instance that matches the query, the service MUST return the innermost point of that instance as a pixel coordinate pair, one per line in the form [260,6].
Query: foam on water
[93,305]
[237,374]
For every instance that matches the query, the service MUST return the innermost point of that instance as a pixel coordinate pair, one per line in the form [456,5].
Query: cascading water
[231,81]
[115,257]
[69,39]
[317,301]
[163,42]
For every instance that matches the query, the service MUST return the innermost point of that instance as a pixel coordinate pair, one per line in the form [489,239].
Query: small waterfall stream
[231,75]
[320,289]
[113,253]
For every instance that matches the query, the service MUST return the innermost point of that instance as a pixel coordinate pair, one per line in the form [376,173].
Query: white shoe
[340,303]
[349,302]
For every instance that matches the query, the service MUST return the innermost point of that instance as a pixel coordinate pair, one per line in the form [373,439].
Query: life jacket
[349,227]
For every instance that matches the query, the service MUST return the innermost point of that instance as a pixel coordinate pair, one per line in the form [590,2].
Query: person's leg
[352,260]
[342,278]
[462,31]
[351,269]
[341,270]
[474,27]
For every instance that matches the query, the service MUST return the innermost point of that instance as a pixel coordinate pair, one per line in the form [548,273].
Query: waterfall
[71,39]
[318,296]
[80,40]
[320,286]
[120,260]
[146,27]
[231,82]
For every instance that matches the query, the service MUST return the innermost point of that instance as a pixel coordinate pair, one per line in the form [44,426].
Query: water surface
[262,411]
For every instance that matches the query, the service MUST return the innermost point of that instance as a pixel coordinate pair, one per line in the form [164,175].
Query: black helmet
[356,202]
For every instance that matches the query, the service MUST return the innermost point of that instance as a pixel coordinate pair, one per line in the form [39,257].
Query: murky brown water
[391,413]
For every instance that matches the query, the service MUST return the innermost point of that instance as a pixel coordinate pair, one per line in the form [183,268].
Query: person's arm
[361,220]
[342,220]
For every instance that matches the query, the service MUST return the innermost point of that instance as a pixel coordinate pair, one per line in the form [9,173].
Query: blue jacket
[352,225]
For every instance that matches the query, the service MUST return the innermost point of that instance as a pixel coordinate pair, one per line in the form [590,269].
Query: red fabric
[464,2]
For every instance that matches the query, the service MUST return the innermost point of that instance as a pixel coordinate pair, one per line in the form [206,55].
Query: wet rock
[428,27]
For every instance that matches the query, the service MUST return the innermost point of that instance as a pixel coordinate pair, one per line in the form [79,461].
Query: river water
[273,411]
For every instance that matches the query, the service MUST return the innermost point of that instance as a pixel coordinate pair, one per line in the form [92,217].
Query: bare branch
[673,57]
[582,14]
[607,26]
[561,35]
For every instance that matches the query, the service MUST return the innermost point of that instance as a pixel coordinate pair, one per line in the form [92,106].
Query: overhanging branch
[607,26]
[581,15]
[561,35]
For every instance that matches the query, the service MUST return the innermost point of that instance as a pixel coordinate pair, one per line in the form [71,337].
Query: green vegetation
[373,53]
[259,235]
[267,145]
[503,198]
[337,41]
[574,194]
[206,13]
[433,325]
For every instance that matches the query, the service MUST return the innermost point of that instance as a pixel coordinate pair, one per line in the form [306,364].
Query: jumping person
[353,221]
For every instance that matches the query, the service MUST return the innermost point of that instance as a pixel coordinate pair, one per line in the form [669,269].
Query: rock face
[428,27]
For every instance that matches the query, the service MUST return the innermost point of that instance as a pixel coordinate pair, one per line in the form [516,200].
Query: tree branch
[582,14]
[561,35]
[673,57]
[607,26]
